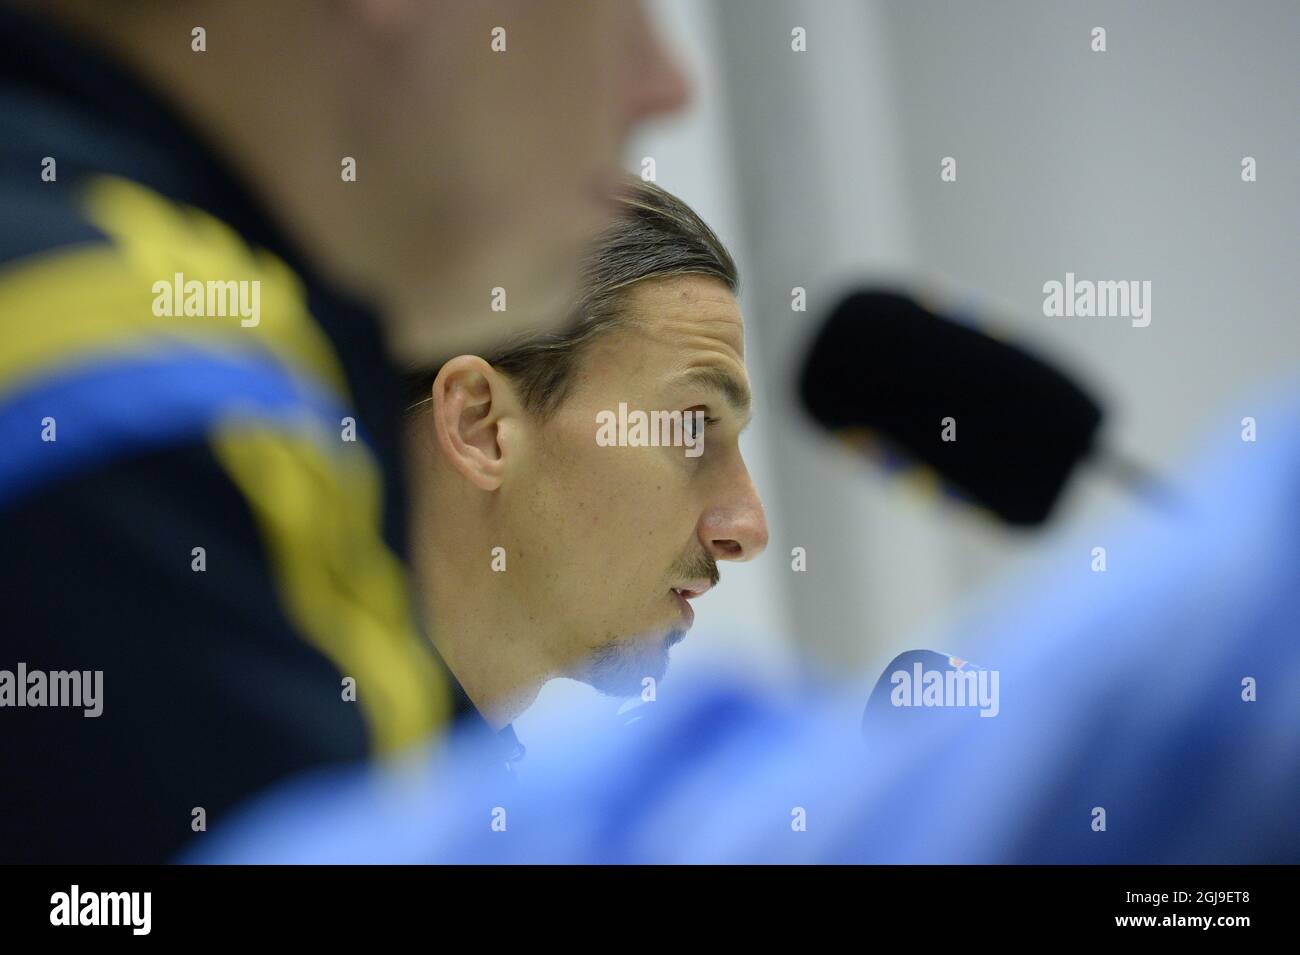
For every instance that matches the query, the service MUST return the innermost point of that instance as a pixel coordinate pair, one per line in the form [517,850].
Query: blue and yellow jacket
[207,510]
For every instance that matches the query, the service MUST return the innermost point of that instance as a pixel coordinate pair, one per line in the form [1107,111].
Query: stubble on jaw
[618,667]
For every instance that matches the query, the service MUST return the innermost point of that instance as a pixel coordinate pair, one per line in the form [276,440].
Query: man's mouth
[693,588]
[685,593]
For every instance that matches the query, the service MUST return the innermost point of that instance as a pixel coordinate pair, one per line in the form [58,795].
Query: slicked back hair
[655,235]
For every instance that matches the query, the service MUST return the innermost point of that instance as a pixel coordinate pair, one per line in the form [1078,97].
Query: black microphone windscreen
[1018,426]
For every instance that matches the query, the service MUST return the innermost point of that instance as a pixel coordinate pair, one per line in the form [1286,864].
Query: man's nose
[656,83]
[736,529]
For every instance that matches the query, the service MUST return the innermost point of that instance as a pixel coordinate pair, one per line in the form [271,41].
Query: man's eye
[696,424]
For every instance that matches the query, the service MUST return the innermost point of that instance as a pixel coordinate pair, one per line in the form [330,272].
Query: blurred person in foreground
[227,226]
[1147,715]
[573,491]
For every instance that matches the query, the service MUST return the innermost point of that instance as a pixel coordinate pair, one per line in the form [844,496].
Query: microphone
[932,686]
[999,425]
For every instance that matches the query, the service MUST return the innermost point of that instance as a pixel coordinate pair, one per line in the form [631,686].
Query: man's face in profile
[612,542]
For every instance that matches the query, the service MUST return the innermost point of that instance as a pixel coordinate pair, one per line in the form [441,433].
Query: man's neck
[498,681]
[486,639]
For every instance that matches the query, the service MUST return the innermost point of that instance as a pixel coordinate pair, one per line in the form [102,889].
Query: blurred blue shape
[1120,691]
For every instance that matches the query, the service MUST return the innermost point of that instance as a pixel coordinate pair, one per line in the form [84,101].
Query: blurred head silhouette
[485,137]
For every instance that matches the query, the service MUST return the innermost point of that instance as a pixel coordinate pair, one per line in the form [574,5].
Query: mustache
[696,568]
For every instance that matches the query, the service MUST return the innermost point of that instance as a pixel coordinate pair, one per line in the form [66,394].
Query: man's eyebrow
[719,379]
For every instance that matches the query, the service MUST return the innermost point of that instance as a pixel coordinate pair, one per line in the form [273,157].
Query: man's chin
[621,668]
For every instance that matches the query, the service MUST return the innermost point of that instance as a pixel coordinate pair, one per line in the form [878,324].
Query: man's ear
[471,401]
